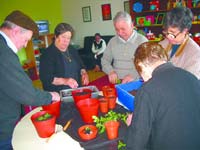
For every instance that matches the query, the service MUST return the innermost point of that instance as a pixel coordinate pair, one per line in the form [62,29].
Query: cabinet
[33,52]
[148,16]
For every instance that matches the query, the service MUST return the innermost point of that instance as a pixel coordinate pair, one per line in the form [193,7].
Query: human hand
[112,76]
[129,119]
[95,56]
[55,96]
[127,78]
[71,82]
[85,78]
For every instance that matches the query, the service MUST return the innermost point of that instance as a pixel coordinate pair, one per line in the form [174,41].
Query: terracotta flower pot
[87,132]
[88,108]
[115,90]
[81,94]
[112,101]
[112,128]
[103,104]
[104,90]
[109,90]
[44,128]
[54,108]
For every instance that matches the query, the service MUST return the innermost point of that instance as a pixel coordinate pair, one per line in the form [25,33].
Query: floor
[92,76]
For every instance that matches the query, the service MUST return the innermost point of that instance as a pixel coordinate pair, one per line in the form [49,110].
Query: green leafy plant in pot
[109,120]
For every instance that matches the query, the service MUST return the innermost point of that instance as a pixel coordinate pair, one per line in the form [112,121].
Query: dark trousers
[98,61]
[6,144]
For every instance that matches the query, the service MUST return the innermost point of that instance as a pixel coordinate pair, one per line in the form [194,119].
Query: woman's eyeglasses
[170,35]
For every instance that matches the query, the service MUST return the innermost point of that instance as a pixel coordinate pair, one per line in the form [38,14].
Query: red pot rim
[109,123]
[88,108]
[40,113]
[54,108]
[88,102]
[77,97]
[81,90]
[87,136]
[44,128]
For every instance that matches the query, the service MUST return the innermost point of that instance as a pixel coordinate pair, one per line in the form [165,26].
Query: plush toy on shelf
[154,5]
[150,35]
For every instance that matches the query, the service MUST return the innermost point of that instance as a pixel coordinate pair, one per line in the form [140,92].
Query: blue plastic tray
[124,97]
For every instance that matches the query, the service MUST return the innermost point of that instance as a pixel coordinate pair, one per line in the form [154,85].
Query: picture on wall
[106,12]
[160,18]
[127,6]
[86,12]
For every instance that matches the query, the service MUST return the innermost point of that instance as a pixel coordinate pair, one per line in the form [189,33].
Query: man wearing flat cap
[16,87]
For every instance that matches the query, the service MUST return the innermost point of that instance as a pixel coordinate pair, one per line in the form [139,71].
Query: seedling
[87,130]
[46,116]
[121,145]
[111,115]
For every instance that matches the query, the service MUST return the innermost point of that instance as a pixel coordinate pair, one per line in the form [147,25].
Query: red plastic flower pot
[109,90]
[44,128]
[112,101]
[54,108]
[88,132]
[112,129]
[104,89]
[103,103]
[88,108]
[81,94]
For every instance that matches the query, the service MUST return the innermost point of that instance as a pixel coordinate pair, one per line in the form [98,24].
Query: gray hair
[122,16]
[8,24]
[11,25]
[180,17]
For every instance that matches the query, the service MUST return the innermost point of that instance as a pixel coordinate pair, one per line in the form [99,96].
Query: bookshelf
[33,52]
[149,15]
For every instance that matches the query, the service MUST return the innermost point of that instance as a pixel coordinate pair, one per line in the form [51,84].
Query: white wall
[72,14]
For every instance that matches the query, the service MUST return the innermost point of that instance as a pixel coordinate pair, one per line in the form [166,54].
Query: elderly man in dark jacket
[16,88]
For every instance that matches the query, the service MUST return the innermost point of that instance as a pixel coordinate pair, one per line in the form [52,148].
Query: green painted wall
[37,9]
[22,56]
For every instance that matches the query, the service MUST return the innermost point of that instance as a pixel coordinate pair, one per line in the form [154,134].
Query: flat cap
[19,18]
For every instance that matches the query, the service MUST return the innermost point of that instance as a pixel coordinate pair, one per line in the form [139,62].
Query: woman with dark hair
[60,65]
[98,47]
[182,50]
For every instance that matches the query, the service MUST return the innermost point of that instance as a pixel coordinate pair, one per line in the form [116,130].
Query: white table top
[25,137]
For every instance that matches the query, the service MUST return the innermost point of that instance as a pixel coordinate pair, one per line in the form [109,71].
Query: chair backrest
[88,40]
[107,38]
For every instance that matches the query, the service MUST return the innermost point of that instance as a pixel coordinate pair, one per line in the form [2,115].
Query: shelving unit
[149,15]
[33,52]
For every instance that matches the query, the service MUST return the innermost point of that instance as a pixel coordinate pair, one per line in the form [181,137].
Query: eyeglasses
[170,35]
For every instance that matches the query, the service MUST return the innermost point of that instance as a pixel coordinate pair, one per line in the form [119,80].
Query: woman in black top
[60,65]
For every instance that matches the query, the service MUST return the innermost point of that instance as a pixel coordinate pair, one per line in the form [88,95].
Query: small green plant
[111,115]
[44,117]
[121,145]
[118,81]
[87,130]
